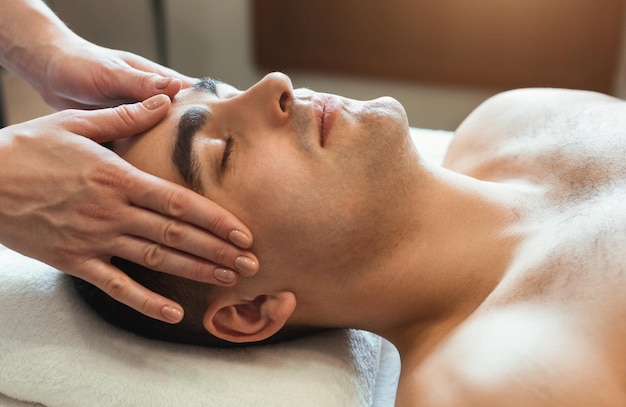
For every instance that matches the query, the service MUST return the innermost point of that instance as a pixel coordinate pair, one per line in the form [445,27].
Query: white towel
[55,352]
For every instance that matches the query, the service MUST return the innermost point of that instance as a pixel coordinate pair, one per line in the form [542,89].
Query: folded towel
[55,351]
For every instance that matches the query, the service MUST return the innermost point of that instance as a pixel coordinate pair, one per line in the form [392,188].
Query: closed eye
[228,149]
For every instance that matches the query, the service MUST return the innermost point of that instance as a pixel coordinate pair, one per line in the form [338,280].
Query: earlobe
[249,321]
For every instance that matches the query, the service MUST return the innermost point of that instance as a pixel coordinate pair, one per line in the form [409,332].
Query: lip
[326,108]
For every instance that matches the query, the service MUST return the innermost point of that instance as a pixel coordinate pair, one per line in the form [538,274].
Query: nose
[273,94]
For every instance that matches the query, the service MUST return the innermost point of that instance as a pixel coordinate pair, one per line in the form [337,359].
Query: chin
[386,111]
[387,118]
[390,106]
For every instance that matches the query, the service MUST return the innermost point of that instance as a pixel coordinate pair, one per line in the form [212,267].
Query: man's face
[314,176]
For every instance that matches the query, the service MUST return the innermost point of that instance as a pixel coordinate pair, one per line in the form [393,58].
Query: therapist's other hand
[83,75]
[73,204]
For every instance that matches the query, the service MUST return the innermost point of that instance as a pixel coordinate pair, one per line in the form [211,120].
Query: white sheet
[54,353]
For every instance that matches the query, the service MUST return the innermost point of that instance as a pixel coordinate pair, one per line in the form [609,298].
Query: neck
[459,237]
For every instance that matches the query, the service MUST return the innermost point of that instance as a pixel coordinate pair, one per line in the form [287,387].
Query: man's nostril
[283,101]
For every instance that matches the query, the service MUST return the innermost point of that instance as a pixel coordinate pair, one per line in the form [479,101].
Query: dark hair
[193,296]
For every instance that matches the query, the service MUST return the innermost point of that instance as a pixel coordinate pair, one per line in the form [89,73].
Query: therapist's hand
[73,204]
[83,75]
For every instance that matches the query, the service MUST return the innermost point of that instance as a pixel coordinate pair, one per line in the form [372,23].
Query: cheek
[278,193]
[280,200]
[303,216]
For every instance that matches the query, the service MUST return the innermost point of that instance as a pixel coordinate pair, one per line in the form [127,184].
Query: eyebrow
[190,123]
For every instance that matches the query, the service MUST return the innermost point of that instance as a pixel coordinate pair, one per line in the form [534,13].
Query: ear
[237,320]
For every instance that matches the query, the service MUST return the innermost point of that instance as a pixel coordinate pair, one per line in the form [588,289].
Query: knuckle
[218,222]
[154,256]
[147,81]
[116,287]
[95,211]
[176,204]
[74,115]
[67,254]
[220,254]
[172,233]
[126,114]
[198,272]
[76,121]
[106,176]
[147,305]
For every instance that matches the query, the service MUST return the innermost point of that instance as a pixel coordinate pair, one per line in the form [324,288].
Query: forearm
[29,34]
[70,72]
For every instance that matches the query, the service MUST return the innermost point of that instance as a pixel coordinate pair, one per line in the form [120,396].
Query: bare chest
[552,333]
[516,356]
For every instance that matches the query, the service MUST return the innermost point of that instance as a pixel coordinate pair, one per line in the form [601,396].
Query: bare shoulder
[518,109]
[510,123]
[512,359]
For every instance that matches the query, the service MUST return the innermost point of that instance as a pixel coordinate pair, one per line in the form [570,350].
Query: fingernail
[155,102]
[172,314]
[246,265]
[163,82]
[240,239]
[224,275]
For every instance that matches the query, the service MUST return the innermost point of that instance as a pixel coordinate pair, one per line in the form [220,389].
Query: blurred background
[439,58]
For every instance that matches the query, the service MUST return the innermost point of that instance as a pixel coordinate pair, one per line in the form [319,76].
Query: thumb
[139,84]
[122,121]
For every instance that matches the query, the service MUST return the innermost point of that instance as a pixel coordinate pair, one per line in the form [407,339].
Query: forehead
[190,97]
[203,91]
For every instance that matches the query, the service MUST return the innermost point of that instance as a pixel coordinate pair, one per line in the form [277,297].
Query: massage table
[55,352]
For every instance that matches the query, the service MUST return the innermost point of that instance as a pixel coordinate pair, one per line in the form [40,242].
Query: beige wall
[620,77]
[125,24]
[212,37]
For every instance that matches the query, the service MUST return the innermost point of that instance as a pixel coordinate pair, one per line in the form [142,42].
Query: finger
[143,78]
[140,85]
[121,121]
[146,65]
[164,259]
[178,202]
[188,239]
[122,288]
